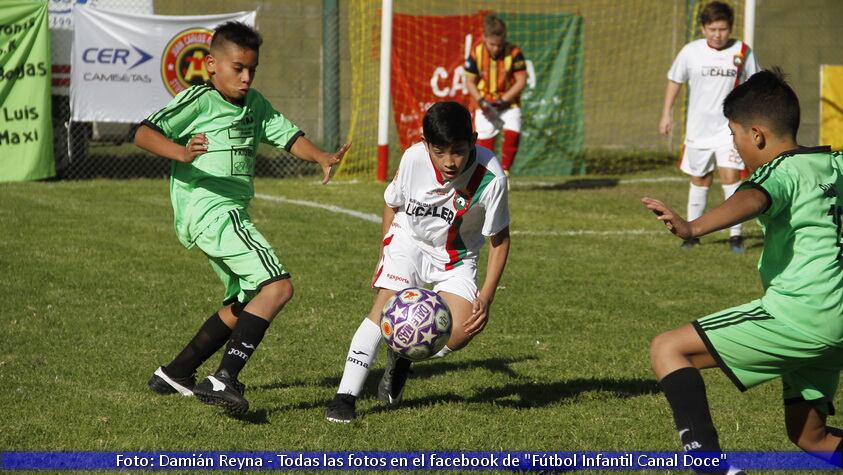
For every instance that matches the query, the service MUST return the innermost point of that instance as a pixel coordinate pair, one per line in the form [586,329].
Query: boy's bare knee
[280,291]
[659,346]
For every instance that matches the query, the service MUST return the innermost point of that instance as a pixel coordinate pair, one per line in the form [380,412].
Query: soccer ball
[416,323]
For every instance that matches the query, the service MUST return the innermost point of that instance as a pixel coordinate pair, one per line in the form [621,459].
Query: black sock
[211,337]
[685,392]
[245,338]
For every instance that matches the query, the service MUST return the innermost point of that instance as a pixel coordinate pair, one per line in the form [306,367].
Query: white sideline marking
[373,218]
[587,232]
[632,181]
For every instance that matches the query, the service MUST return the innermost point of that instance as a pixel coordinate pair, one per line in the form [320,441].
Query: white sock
[729,190]
[697,198]
[443,352]
[361,355]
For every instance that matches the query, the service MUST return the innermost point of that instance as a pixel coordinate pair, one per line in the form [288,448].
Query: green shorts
[751,347]
[240,256]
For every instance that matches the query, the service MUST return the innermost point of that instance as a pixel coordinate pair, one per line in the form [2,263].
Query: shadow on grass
[532,395]
[517,394]
[419,370]
[579,184]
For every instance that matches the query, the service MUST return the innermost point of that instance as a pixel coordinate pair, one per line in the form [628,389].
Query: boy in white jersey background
[211,133]
[712,66]
[795,331]
[446,199]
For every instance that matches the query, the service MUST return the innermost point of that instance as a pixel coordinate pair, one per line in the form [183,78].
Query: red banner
[428,55]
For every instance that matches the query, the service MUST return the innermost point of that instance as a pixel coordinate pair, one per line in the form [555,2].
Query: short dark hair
[716,11]
[494,26]
[766,98]
[238,33]
[446,123]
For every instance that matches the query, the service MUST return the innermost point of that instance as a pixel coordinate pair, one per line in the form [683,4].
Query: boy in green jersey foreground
[211,133]
[795,330]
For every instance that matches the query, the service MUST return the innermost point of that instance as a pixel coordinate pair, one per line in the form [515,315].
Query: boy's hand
[675,223]
[333,159]
[479,315]
[197,145]
[665,126]
[501,105]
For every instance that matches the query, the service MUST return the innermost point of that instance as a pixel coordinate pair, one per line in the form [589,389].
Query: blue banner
[428,460]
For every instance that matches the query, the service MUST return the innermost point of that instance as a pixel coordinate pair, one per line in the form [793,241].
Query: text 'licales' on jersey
[414,208]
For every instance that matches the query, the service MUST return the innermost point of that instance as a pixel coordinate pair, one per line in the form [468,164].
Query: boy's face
[450,160]
[232,70]
[716,33]
[494,44]
[746,141]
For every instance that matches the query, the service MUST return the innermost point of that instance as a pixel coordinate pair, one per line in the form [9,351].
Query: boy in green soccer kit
[795,330]
[211,133]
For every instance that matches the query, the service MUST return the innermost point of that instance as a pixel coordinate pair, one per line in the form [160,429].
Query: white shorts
[701,161]
[489,123]
[405,265]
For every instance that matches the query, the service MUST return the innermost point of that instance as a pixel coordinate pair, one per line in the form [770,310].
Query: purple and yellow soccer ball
[416,323]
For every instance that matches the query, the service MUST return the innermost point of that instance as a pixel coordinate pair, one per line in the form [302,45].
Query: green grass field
[97,292]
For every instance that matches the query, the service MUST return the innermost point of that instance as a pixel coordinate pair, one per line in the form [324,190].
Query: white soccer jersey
[711,75]
[449,219]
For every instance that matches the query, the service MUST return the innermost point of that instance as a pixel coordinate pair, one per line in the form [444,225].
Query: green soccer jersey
[222,178]
[801,266]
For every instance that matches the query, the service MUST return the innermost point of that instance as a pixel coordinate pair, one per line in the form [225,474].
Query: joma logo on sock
[238,353]
[357,362]
[692,446]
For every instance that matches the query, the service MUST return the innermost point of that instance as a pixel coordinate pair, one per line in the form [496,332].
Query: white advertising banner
[61,30]
[125,66]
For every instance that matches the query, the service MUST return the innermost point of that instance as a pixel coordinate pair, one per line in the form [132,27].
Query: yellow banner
[831,106]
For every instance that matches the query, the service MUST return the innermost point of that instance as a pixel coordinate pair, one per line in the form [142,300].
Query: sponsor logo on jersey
[829,190]
[718,71]
[183,60]
[419,209]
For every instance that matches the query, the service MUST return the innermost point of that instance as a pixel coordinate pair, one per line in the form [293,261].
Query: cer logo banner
[116,56]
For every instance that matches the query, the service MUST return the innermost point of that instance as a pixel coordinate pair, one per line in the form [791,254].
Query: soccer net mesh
[597,73]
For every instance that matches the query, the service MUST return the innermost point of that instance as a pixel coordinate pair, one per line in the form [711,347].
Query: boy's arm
[515,90]
[741,206]
[670,93]
[471,84]
[155,142]
[498,253]
[305,150]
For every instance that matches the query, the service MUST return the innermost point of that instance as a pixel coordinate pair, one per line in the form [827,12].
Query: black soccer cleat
[341,409]
[391,387]
[161,383]
[689,243]
[220,389]
[736,244]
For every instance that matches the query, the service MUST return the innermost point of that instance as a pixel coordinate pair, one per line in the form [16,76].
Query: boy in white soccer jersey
[712,66]
[211,133]
[446,199]
[795,330]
